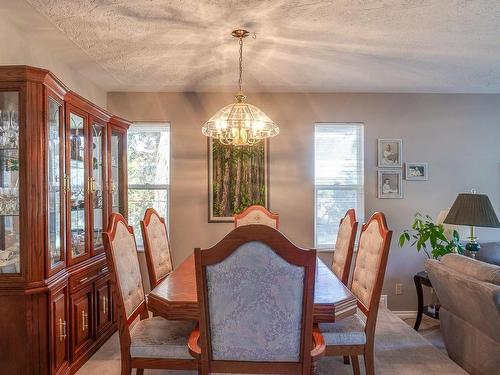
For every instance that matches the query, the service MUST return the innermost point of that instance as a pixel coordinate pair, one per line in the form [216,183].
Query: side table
[421,278]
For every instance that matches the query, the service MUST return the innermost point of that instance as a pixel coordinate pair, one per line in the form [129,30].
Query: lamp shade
[474,210]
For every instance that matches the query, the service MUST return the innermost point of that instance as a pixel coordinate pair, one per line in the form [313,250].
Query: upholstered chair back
[257,215]
[256,293]
[370,265]
[344,247]
[121,252]
[156,246]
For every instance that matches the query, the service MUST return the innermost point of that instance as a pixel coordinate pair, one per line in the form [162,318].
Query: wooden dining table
[175,298]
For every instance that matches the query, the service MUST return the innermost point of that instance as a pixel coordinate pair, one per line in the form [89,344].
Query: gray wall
[458,135]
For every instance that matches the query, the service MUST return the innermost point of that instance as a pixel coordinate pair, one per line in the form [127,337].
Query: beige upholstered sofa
[469,293]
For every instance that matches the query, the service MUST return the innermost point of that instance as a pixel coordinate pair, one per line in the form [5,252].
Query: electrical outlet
[399,288]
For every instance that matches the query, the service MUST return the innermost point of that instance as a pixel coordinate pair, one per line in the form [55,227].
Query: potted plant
[430,237]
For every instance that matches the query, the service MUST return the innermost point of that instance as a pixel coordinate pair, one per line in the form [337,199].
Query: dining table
[175,298]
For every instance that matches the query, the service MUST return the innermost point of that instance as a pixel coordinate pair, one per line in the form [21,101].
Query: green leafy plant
[430,237]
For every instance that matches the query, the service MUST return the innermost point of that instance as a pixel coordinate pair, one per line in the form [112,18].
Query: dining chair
[156,246]
[145,343]
[257,215]
[353,336]
[344,246]
[255,291]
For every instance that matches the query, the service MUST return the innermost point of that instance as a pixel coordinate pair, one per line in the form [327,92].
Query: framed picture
[238,177]
[390,153]
[390,184]
[417,171]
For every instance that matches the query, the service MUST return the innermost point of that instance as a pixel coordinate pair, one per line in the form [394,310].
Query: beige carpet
[399,350]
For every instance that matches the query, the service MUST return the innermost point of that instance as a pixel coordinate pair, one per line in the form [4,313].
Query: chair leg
[126,369]
[314,369]
[346,360]
[355,364]
[139,371]
[369,361]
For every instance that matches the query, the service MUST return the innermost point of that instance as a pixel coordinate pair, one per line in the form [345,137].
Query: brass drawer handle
[85,321]
[104,269]
[66,184]
[83,279]
[62,330]
[104,304]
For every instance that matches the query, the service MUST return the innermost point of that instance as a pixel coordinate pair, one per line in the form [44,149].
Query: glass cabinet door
[55,184]
[97,180]
[9,183]
[77,159]
[115,163]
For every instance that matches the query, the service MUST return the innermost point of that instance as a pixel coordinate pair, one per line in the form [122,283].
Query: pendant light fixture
[240,123]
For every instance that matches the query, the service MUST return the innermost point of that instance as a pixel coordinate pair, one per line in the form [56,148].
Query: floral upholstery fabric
[255,306]
[257,217]
[127,269]
[160,338]
[160,249]
[367,263]
[341,247]
[347,331]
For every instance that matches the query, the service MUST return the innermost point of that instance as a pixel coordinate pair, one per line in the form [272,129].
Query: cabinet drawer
[83,279]
[87,277]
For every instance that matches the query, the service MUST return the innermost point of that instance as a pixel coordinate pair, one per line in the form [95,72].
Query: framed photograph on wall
[390,184]
[390,153]
[238,177]
[416,171]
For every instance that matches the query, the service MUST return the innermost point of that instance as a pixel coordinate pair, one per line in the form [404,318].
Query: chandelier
[240,123]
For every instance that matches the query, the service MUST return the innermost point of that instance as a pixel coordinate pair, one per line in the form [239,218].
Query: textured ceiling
[308,45]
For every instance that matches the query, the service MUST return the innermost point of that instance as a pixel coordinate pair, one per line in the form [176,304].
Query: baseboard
[405,314]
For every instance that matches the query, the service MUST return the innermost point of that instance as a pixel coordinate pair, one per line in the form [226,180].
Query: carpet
[399,350]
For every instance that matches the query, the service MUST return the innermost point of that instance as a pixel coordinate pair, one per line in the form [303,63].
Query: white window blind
[148,172]
[339,178]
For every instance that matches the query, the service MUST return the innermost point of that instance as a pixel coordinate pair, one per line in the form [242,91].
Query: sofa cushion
[347,331]
[472,300]
[468,346]
[473,268]
[160,338]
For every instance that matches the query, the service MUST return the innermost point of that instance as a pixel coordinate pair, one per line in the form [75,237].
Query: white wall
[458,135]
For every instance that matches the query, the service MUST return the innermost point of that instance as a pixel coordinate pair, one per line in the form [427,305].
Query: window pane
[148,155]
[331,206]
[138,201]
[338,155]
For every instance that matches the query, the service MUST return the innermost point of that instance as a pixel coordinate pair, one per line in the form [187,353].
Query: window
[148,172]
[338,178]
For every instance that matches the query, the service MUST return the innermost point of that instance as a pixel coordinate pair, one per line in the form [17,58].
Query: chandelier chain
[240,81]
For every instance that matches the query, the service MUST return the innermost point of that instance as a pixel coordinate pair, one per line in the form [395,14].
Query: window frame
[151,125]
[360,188]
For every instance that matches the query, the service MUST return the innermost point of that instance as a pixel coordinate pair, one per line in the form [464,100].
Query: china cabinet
[62,172]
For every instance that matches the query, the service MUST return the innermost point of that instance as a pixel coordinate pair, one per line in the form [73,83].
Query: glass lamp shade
[240,124]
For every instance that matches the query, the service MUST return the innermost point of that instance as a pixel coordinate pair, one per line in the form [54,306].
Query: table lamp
[474,210]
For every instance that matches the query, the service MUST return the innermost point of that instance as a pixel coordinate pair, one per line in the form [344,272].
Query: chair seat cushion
[347,331]
[160,338]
